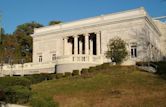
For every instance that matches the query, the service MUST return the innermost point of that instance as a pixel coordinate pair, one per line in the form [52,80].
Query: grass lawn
[114,86]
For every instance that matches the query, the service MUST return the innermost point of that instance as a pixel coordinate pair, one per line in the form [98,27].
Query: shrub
[59,75]
[17,94]
[68,74]
[116,50]
[43,102]
[92,69]
[84,71]
[75,72]
[52,76]
[36,78]
[12,81]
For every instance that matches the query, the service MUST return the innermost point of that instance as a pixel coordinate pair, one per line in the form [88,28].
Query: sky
[16,12]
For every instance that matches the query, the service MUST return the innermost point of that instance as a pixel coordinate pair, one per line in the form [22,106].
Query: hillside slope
[113,86]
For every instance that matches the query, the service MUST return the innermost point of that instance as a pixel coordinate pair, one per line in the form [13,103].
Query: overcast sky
[16,12]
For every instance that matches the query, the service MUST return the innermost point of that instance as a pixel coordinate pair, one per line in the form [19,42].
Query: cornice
[83,29]
[92,21]
[152,24]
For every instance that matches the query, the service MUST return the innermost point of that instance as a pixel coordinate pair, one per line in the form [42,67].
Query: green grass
[114,86]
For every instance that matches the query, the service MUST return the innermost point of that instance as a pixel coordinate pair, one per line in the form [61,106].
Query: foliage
[68,74]
[92,69]
[59,75]
[161,69]
[75,72]
[27,28]
[15,89]
[36,78]
[84,71]
[116,50]
[54,22]
[18,45]
[17,94]
[12,81]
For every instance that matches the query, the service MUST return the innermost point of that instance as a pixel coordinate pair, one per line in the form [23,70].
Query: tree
[54,22]
[22,34]
[116,50]
[27,28]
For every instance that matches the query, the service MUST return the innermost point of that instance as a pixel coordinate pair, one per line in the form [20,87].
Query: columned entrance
[82,44]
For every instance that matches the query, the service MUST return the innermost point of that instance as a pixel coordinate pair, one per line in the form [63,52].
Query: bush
[75,72]
[36,78]
[59,75]
[12,81]
[68,74]
[84,71]
[43,102]
[92,69]
[117,51]
[17,94]
[52,76]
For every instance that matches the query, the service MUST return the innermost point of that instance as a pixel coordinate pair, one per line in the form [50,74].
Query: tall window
[133,51]
[53,57]
[40,58]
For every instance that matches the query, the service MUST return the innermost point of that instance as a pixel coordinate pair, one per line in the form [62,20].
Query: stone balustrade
[47,67]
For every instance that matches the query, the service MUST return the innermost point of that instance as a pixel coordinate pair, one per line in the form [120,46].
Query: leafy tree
[54,22]
[116,50]
[22,34]
[27,28]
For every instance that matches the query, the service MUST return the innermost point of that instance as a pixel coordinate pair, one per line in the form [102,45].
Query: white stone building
[83,43]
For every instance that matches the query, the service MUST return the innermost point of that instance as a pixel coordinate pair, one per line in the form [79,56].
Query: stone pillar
[98,42]
[80,47]
[65,46]
[87,44]
[75,45]
[91,46]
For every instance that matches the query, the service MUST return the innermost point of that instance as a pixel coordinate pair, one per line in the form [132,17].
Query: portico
[82,44]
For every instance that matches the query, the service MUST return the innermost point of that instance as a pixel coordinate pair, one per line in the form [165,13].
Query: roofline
[145,14]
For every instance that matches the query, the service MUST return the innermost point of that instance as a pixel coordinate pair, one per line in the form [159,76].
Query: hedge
[84,71]
[17,94]
[12,81]
[59,75]
[68,74]
[75,72]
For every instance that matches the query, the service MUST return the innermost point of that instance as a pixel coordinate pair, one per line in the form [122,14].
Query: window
[53,57]
[133,51]
[40,58]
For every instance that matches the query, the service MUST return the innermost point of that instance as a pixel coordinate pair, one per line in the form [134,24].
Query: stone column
[98,42]
[75,45]
[91,46]
[80,47]
[65,46]
[87,44]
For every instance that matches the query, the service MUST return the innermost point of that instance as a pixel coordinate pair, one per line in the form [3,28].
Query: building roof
[114,17]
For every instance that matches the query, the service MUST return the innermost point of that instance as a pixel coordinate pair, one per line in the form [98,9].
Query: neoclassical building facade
[80,44]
